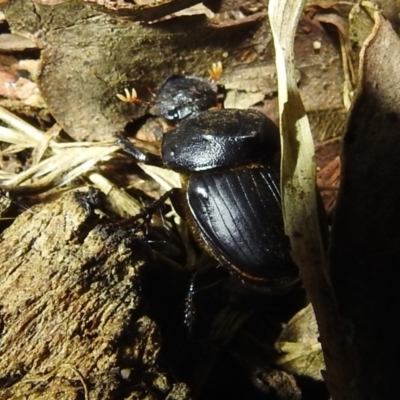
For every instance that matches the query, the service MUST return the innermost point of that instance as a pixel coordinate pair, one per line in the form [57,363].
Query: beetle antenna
[138,155]
[152,92]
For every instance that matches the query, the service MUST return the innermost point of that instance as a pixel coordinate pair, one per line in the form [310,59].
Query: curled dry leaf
[341,25]
[300,347]
[298,169]
[365,238]
[299,199]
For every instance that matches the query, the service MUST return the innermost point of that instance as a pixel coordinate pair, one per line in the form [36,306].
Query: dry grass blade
[298,169]
[20,125]
[61,164]
[166,178]
[62,167]
[299,198]
[55,165]
[121,202]
[16,137]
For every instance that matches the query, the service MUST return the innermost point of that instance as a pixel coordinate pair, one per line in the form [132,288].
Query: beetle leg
[138,155]
[190,311]
[156,204]
[147,212]
[152,92]
[217,276]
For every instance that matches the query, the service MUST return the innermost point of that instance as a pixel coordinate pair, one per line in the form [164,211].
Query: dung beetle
[185,96]
[229,165]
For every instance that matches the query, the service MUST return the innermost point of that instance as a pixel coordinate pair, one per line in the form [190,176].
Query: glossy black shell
[233,201]
[183,96]
[220,138]
[241,221]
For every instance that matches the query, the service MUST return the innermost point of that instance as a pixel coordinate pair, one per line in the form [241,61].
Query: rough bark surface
[71,321]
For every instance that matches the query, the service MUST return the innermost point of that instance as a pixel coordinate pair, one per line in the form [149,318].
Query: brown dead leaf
[89,57]
[365,256]
[143,10]
[17,81]
[328,182]
[87,62]
[328,171]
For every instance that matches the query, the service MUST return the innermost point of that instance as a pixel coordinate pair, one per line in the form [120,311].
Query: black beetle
[185,96]
[229,163]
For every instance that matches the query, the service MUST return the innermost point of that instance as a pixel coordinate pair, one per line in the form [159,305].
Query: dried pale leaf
[62,167]
[247,88]
[301,328]
[5,203]
[82,145]
[29,173]
[86,163]
[4,175]
[348,71]
[300,206]
[299,343]
[19,124]
[14,149]
[43,145]
[69,161]
[14,136]
[121,202]
[298,169]
[302,359]
[166,178]
[195,10]
[361,22]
